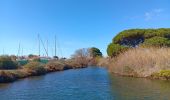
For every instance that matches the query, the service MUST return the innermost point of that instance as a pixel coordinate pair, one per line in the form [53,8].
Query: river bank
[92,83]
[149,62]
[36,69]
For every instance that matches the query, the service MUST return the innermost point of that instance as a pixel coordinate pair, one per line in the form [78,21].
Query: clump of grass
[55,66]
[35,68]
[74,64]
[12,75]
[142,61]
[163,74]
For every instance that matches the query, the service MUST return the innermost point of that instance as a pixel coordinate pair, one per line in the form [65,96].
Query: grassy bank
[36,68]
[143,62]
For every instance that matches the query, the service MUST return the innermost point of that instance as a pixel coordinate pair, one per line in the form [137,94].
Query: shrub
[165,74]
[12,75]
[115,49]
[35,68]
[7,63]
[55,66]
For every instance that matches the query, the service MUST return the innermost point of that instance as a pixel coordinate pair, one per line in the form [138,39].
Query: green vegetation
[115,49]
[139,37]
[36,68]
[95,52]
[57,66]
[147,53]
[157,42]
[164,74]
[7,63]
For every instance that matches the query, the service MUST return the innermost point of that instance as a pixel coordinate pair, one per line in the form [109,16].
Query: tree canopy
[139,37]
[95,52]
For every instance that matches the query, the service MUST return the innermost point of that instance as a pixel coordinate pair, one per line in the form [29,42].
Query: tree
[95,52]
[157,42]
[81,56]
[133,38]
[115,49]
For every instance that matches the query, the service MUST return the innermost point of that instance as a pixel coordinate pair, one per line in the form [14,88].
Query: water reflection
[127,88]
[91,83]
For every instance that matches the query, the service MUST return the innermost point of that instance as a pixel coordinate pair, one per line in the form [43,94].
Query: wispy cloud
[153,14]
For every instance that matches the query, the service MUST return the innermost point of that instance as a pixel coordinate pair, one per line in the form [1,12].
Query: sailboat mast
[47,47]
[39,47]
[22,51]
[18,50]
[55,46]
[3,52]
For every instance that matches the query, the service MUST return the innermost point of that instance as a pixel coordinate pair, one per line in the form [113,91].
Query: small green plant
[165,74]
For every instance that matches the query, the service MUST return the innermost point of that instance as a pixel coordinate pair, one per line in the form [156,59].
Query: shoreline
[9,76]
[154,76]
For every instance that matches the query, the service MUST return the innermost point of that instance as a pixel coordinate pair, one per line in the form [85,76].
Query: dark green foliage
[95,52]
[115,49]
[22,62]
[157,41]
[128,34]
[31,56]
[133,34]
[7,63]
[135,37]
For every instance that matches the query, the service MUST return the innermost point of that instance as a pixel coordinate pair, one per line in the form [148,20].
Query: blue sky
[77,23]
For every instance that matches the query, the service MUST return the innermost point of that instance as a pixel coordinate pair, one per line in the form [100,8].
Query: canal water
[92,83]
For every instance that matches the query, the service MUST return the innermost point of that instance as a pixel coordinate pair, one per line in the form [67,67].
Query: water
[85,84]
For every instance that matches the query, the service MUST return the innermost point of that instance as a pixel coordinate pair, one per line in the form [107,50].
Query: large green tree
[95,52]
[139,37]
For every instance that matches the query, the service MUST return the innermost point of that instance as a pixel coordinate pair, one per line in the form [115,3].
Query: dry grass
[141,62]
[104,62]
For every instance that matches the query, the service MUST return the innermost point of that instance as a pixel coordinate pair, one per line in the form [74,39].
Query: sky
[76,23]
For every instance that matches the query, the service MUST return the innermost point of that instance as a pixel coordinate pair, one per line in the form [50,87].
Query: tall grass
[141,62]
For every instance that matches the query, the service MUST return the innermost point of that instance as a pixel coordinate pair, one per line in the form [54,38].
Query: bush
[12,75]
[115,49]
[35,68]
[7,63]
[165,74]
[55,66]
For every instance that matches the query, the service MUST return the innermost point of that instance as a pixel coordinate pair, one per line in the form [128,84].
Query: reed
[141,62]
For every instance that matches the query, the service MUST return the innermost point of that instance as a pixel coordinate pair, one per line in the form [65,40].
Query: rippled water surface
[91,83]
